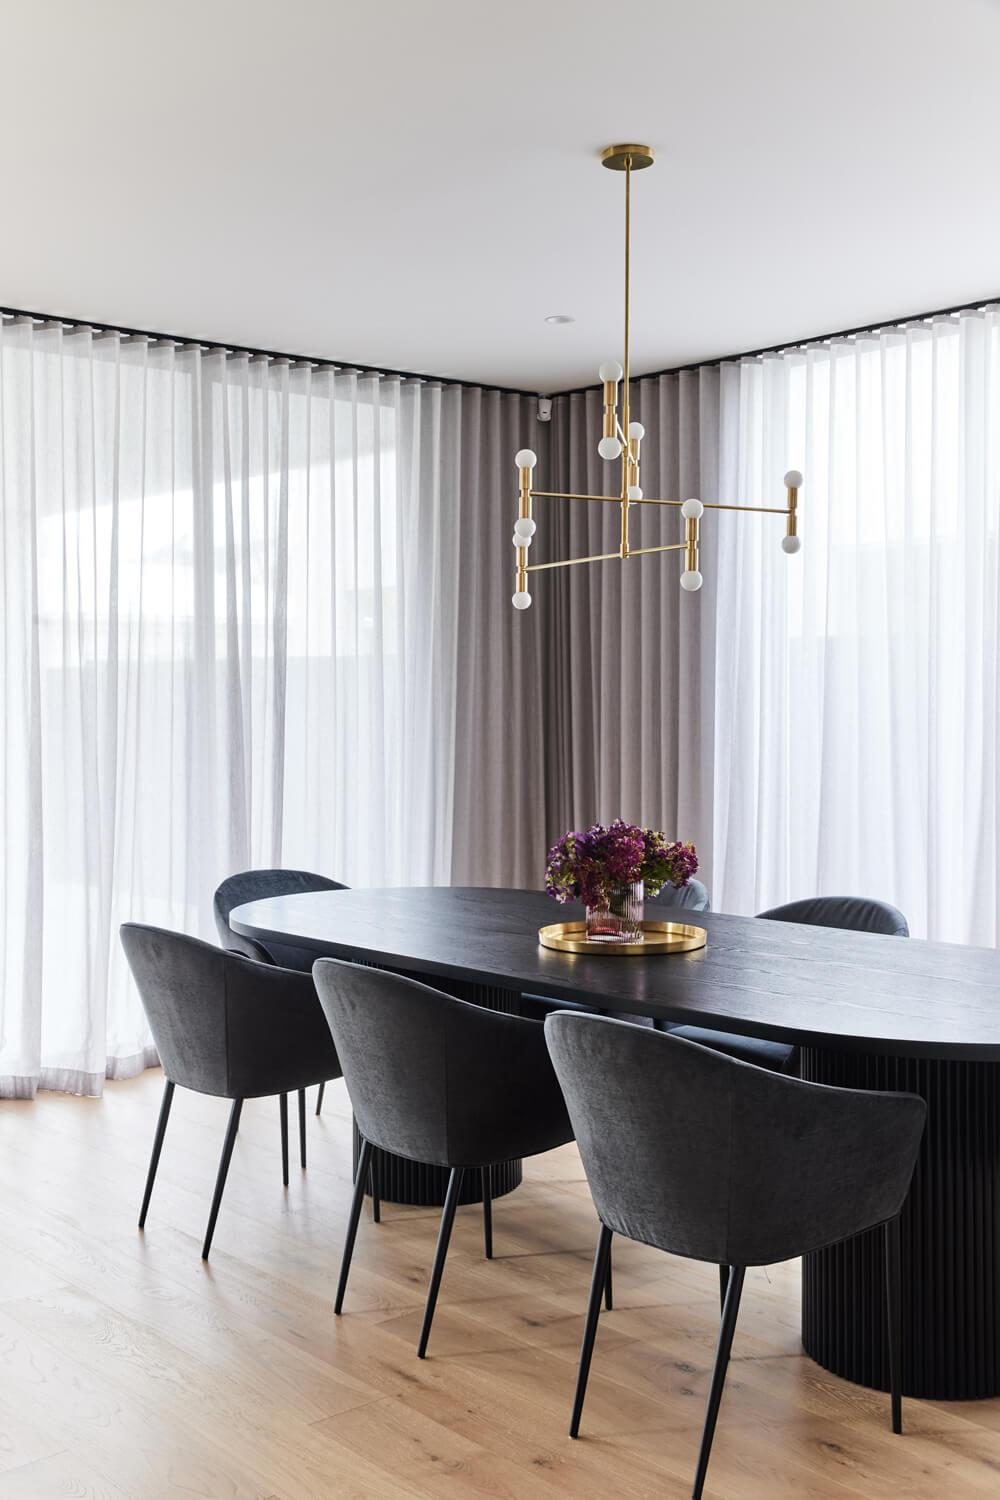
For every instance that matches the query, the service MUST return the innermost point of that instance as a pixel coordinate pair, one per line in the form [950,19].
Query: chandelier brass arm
[622,440]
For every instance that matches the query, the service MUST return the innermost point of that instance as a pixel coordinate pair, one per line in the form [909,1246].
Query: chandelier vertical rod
[625,360]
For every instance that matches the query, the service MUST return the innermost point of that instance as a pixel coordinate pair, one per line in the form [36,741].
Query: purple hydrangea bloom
[588,866]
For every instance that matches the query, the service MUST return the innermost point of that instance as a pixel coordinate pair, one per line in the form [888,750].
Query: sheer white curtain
[857,716]
[228,637]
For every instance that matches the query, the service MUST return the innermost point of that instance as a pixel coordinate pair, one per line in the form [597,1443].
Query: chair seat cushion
[777,1056]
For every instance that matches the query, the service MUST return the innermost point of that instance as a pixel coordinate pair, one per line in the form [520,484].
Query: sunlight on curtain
[857,711]
[212,657]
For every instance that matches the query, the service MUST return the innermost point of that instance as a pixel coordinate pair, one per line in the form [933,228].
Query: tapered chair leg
[154,1160]
[729,1315]
[598,1288]
[319,1097]
[220,1182]
[609,1301]
[723,1285]
[361,1178]
[373,1172]
[486,1176]
[302,1128]
[283,1112]
[440,1254]
[893,1301]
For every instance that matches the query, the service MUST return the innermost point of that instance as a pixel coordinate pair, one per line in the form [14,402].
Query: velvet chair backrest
[225,1025]
[704,1156]
[257,885]
[693,897]
[436,1079]
[853,913]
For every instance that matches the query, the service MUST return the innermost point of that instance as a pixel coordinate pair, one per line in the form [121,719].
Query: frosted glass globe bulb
[636,430]
[610,370]
[520,540]
[525,459]
[524,526]
[692,510]
[521,600]
[635,491]
[791,543]
[609,447]
[793,480]
[691,580]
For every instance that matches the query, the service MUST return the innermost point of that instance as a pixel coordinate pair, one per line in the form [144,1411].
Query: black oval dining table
[867,1011]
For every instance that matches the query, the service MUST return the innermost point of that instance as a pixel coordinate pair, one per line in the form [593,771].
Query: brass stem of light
[691,544]
[625,355]
[617,440]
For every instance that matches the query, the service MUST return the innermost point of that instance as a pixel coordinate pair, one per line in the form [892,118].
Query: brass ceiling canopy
[621,440]
[631,158]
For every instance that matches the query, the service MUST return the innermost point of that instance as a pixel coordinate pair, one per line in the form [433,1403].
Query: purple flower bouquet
[610,869]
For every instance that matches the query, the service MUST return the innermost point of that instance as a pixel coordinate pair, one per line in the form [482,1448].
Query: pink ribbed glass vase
[619,920]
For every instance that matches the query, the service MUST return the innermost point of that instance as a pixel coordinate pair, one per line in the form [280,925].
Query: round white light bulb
[525,459]
[521,600]
[791,543]
[692,510]
[793,480]
[520,540]
[635,491]
[609,447]
[524,526]
[610,370]
[636,430]
[691,580]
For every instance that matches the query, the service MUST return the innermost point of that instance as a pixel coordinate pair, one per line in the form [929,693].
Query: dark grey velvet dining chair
[440,1081]
[849,914]
[228,1026]
[258,885]
[710,1158]
[690,897]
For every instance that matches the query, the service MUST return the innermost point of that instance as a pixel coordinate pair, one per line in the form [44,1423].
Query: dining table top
[812,986]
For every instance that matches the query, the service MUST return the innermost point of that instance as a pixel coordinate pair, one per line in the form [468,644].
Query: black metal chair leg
[154,1160]
[440,1254]
[729,1315]
[361,1178]
[486,1176]
[319,1097]
[283,1111]
[220,1182]
[302,1128]
[609,1301]
[373,1173]
[598,1288]
[723,1284]
[893,1302]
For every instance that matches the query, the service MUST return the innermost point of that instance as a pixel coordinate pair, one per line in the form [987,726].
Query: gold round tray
[660,937]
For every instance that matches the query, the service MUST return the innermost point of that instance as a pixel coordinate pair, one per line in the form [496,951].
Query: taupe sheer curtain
[629,656]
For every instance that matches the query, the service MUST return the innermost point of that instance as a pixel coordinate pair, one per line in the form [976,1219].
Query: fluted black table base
[403,1181]
[950,1241]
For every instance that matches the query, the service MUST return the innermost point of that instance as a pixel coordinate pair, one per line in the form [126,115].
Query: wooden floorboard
[128,1368]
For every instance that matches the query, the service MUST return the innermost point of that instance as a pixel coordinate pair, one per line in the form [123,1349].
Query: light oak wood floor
[128,1368]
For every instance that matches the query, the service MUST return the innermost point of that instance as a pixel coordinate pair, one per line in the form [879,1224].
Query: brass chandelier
[622,440]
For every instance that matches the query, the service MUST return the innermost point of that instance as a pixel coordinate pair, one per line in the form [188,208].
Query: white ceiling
[414,183]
